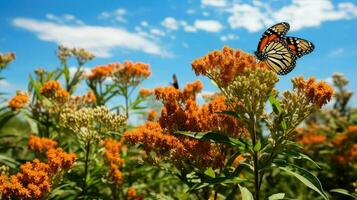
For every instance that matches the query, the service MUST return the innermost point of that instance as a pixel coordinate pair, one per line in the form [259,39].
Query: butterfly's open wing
[279,56]
[274,32]
[299,46]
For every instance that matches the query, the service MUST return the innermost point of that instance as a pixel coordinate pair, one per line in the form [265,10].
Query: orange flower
[339,139]
[311,138]
[103,71]
[19,101]
[318,93]
[352,129]
[112,150]
[89,98]
[41,144]
[131,194]
[50,87]
[145,92]
[152,115]
[137,69]
[132,73]
[53,89]
[237,161]
[32,182]
[352,153]
[191,89]
[223,66]
[59,160]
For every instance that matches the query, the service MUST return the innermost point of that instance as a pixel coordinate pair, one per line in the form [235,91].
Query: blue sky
[170,34]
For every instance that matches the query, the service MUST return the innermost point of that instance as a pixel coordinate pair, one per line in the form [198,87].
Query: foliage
[56,143]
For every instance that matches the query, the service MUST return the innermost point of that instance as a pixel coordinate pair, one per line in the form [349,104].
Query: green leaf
[9,161]
[276,196]
[275,105]
[306,177]
[299,155]
[344,192]
[215,137]
[246,194]
[257,146]
[210,172]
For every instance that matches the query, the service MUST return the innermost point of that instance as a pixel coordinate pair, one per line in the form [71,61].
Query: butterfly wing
[174,81]
[299,46]
[274,32]
[279,57]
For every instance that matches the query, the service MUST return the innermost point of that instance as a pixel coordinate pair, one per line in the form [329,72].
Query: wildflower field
[85,131]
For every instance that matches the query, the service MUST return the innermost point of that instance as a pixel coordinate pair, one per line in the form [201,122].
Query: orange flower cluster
[136,69]
[181,112]
[191,89]
[145,92]
[41,144]
[318,93]
[132,73]
[178,149]
[19,101]
[103,71]
[112,154]
[89,98]
[35,178]
[352,129]
[59,160]
[223,66]
[32,182]
[131,194]
[311,139]
[53,89]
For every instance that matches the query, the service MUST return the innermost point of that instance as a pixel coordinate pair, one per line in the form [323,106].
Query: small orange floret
[19,101]
[136,69]
[59,160]
[89,98]
[152,115]
[41,144]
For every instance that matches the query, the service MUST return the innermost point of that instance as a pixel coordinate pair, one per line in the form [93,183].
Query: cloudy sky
[170,34]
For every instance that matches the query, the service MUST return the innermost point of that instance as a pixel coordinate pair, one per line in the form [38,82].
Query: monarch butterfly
[280,52]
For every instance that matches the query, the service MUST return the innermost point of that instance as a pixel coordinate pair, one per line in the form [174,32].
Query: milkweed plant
[85,145]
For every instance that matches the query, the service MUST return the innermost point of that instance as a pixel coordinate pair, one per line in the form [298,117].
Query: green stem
[255,158]
[86,165]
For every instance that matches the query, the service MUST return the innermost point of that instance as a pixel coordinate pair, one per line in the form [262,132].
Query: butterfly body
[280,52]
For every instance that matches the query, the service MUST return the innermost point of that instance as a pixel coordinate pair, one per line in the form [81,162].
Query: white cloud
[4,83]
[214,3]
[337,52]
[171,23]
[144,23]
[157,32]
[300,14]
[208,25]
[191,11]
[66,18]
[225,38]
[100,40]
[189,28]
[117,15]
